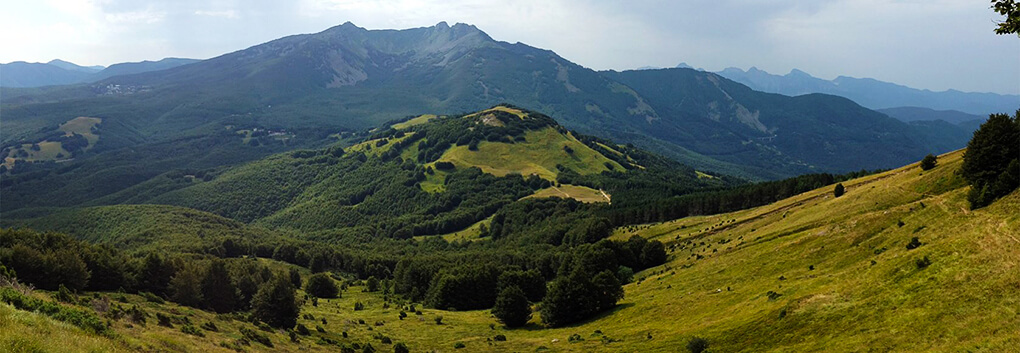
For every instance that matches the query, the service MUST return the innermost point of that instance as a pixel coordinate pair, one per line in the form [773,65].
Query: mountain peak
[798,73]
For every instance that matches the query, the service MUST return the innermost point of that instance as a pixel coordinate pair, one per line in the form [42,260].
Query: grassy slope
[579,193]
[962,301]
[49,150]
[539,155]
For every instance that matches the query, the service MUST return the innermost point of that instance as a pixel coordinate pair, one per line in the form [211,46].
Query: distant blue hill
[872,93]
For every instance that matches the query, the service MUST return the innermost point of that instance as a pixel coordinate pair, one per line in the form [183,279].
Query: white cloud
[230,14]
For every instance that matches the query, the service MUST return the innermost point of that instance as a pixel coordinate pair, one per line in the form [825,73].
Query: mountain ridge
[873,93]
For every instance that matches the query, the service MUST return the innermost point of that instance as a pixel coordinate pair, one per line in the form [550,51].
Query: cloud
[230,14]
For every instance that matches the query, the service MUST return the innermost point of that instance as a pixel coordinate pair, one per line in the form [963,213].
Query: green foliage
[275,303]
[1009,9]
[838,190]
[253,335]
[512,307]
[923,263]
[459,345]
[371,284]
[322,286]
[992,162]
[86,320]
[192,330]
[913,244]
[586,285]
[301,329]
[929,162]
[186,286]
[400,347]
[218,290]
[697,345]
[210,326]
[65,295]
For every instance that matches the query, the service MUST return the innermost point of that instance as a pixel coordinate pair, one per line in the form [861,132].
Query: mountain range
[873,93]
[309,90]
[59,72]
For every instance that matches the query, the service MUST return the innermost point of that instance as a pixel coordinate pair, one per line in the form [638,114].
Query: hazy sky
[933,44]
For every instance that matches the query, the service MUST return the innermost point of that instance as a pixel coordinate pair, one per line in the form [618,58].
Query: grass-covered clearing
[539,155]
[421,119]
[576,192]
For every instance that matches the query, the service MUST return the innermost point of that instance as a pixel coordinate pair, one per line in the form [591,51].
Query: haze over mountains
[59,72]
[873,93]
[347,77]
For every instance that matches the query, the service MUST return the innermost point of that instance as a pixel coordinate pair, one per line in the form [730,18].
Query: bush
[275,304]
[322,286]
[913,244]
[991,164]
[400,348]
[499,338]
[86,320]
[923,263]
[444,166]
[697,345]
[359,306]
[163,320]
[253,335]
[64,295]
[459,345]
[839,190]
[439,320]
[302,330]
[210,326]
[929,162]
[512,307]
[192,330]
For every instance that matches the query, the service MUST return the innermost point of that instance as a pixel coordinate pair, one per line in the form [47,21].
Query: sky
[928,44]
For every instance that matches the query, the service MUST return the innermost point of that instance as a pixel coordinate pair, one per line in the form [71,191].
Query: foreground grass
[840,275]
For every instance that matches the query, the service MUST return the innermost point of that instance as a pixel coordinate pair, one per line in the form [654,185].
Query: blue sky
[932,44]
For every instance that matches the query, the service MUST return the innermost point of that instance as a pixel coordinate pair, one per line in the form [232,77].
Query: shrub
[320,329]
[697,345]
[359,306]
[445,165]
[275,304]
[929,162]
[512,307]
[322,286]
[64,295]
[371,284]
[210,326]
[439,320]
[152,298]
[459,345]
[302,330]
[400,348]
[253,335]
[923,263]
[163,320]
[913,244]
[192,330]
[499,338]
[86,320]
[839,190]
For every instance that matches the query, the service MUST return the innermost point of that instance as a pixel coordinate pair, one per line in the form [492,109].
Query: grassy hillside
[809,273]
[540,154]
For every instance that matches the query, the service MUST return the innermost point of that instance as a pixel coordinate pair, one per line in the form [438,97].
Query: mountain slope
[425,178]
[908,114]
[23,74]
[730,122]
[873,93]
[808,273]
[346,79]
